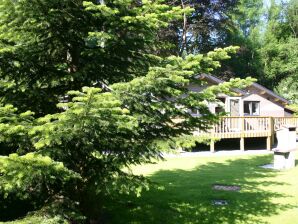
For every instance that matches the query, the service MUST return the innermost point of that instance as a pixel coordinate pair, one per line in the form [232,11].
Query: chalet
[255,112]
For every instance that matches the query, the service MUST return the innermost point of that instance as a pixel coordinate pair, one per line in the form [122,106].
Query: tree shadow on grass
[186,196]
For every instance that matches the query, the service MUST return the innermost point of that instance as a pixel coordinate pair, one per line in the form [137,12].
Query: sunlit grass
[185,193]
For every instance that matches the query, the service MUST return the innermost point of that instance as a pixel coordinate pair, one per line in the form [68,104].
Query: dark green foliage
[28,181]
[14,130]
[280,61]
[45,174]
[219,24]
[279,52]
[60,210]
[207,25]
[47,48]
[201,31]
[246,18]
[292,17]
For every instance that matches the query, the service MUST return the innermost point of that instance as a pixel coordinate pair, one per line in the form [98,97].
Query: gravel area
[220,187]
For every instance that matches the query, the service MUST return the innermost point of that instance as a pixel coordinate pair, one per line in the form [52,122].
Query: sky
[267,2]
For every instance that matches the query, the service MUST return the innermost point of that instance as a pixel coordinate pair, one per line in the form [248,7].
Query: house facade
[255,100]
[254,112]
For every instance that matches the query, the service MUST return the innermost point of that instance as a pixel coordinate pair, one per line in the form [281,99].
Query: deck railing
[249,126]
[245,124]
[280,122]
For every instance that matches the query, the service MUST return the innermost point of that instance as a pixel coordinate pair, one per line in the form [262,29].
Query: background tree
[219,24]
[279,52]
[202,30]
[246,18]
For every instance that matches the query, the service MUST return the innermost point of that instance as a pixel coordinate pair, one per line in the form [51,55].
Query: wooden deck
[248,127]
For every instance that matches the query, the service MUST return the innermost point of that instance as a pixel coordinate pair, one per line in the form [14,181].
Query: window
[194,112]
[219,110]
[235,107]
[251,108]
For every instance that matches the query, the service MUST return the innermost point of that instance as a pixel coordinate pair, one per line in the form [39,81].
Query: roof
[255,85]
[209,77]
[269,92]
[217,81]
[290,110]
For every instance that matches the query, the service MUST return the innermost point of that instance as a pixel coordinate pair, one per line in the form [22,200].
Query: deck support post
[242,134]
[272,131]
[242,144]
[272,140]
[268,143]
[212,146]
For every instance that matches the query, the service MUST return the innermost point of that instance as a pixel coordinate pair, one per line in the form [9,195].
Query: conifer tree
[79,154]
[60,164]
[50,47]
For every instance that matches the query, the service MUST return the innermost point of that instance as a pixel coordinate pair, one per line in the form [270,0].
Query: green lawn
[184,193]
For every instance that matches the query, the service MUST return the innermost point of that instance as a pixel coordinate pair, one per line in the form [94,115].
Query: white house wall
[198,88]
[267,108]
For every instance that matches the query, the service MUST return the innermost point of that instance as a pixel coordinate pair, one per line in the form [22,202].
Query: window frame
[250,112]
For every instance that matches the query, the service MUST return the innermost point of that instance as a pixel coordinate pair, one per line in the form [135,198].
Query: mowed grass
[184,194]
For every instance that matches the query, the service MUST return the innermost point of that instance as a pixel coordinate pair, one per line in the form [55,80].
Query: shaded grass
[185,193]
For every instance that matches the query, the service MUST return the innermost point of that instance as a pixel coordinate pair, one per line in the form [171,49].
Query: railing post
[242,134]
[212,146]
